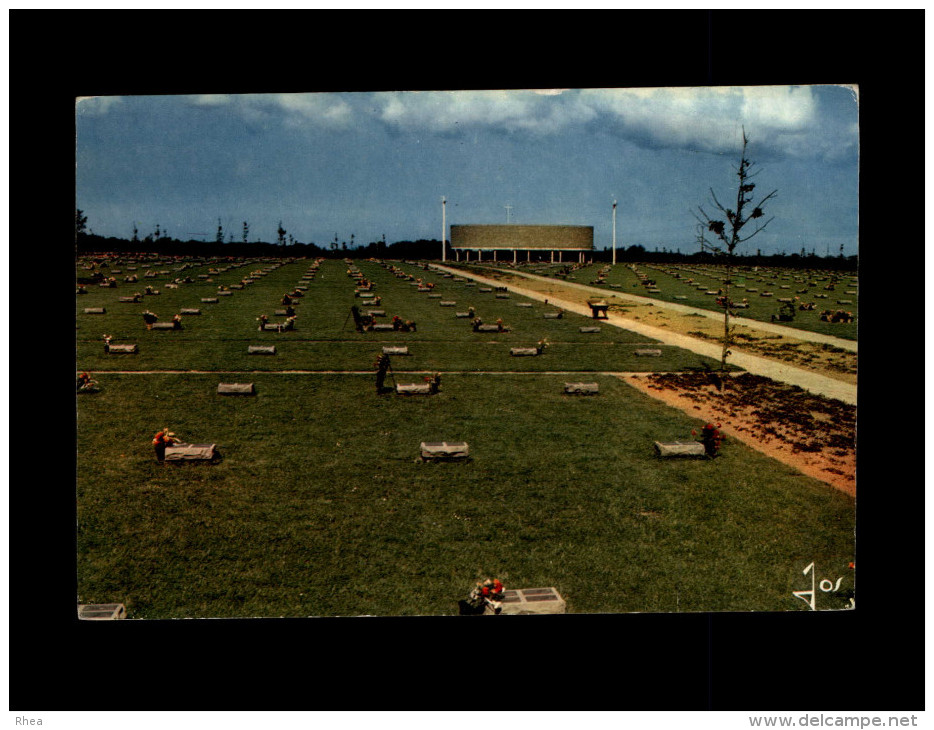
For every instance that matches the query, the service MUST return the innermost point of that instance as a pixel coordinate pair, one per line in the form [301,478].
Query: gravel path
[810,381]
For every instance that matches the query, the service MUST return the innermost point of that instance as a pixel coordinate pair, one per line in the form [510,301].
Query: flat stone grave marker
[527,305]
[434,296]
[654,291]
[588,330]
[616,286]
[281,313]
[163,325]
[387,350]
[488,328]
[236,286]
[844,301]
[462,315]
[850,292]
[225,293]
[236,389]
[201,276]
[784,286]
[95,310]
[471,283]
[383,328]
[766,294]
[414,389]
[681,296]
[552,315]
[376,312]
[502,296]
[447,304]
[679,449]
[129,300]
[523,351]
[191,311]
[209,300]
[529,601]
[124,349]
[444,450]
[784,299]
[582,388]
[485,289]
[711,291]
[178,453]
[648,352]
[101,611]
[261,350]
[423,289]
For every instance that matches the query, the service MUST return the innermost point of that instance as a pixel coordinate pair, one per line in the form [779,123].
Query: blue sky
[378,163]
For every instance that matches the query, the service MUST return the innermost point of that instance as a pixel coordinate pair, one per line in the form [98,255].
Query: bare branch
[715,201]
[757,230]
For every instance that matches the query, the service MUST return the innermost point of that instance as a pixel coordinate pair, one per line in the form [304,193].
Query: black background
[868,659]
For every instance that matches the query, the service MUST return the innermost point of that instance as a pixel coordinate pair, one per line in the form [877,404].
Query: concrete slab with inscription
[236,389]
[530,601]
[101,611]
[679,449]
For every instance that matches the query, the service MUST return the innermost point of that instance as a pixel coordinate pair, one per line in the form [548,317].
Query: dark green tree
[280,232]
[81,221]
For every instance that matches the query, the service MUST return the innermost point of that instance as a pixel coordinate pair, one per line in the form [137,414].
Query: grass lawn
[320,507]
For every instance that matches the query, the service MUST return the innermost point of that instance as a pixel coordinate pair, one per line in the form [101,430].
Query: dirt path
[810,380]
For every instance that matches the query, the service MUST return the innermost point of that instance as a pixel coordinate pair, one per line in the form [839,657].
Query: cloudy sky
[371,164]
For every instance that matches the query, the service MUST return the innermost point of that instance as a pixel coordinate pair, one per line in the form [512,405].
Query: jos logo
[826,586]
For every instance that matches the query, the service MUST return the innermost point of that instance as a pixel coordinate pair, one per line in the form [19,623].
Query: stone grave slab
[447,304]
[395,350]
[209,300]
[129,300]
[679,449]
[588,330]
[680,296]
[523,351]
[225,293]
[376,312]
[191,311]
[850,292]
[281,313]
[552,315]
[488,328]
[502,296]
[530,601]
[434,296]
[526,305]
[201,276]
[261,350]
[179,453]
[766,294]
[485,289]
[414,389]
[444,450]
[163,326]
[95,310]
[582,388]
[236,389]
[238,287]
[462,315]
[844,301]
[784,299]
[383,328]
[471,283]
[101,611]
[422,288]
[124,349]
[648,352]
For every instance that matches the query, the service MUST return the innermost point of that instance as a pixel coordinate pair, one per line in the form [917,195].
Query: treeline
[431,249]
[420,249]
[633,254]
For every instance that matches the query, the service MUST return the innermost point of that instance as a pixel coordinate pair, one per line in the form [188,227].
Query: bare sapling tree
[730,233]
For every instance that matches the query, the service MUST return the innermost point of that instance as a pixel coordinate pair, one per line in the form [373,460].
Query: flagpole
[614,232]
[444,255]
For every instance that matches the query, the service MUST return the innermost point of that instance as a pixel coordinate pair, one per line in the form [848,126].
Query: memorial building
[521,242]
